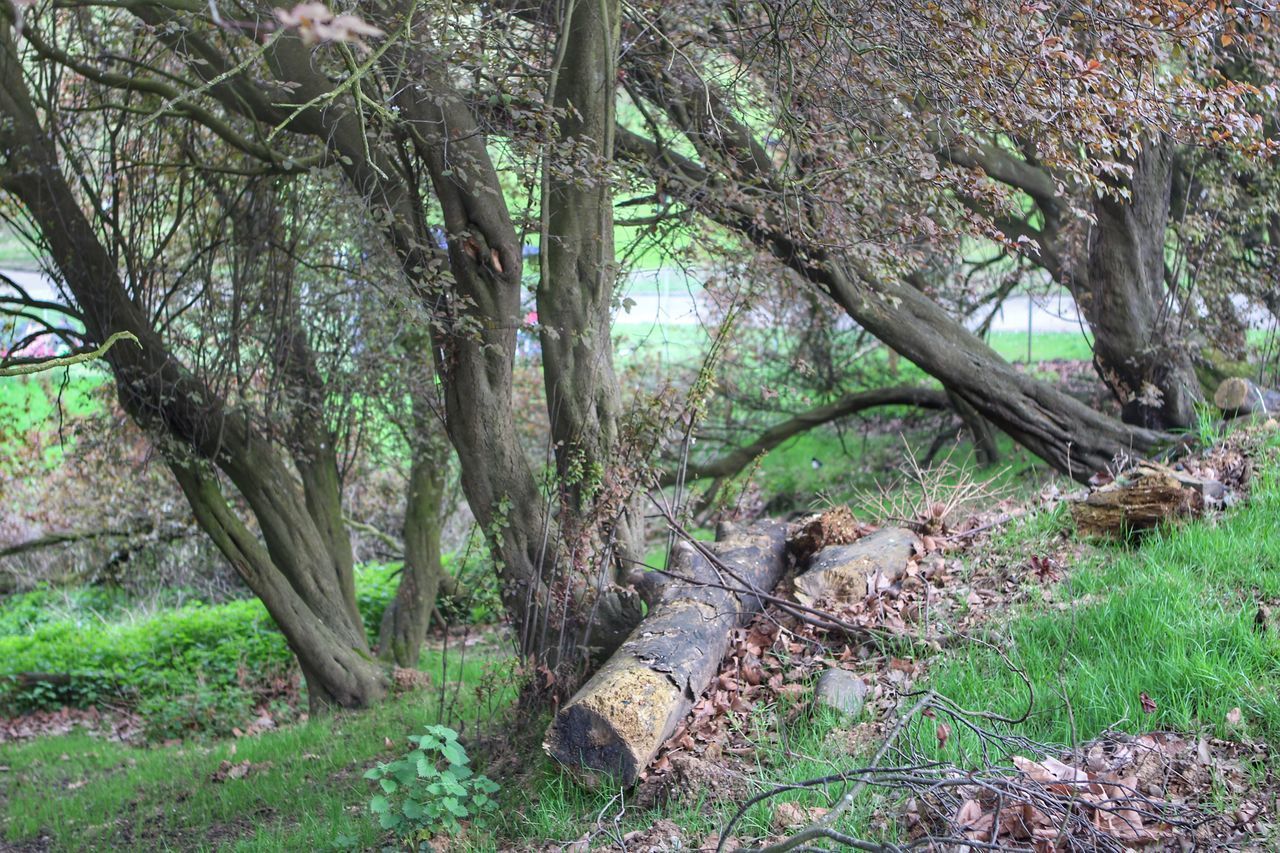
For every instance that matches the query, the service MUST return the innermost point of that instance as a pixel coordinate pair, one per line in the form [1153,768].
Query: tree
[887,83]
[388,140]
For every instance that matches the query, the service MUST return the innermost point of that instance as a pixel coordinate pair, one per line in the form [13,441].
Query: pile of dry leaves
[120,726]
[1119,792]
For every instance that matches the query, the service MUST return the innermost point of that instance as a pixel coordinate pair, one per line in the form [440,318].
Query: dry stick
[999,522]
[821,828]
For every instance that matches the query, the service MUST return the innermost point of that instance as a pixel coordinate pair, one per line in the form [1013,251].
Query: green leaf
[454,806]
[427,770]
[388,785]
[389,820]
[413,809]
[379,804]
[454,753]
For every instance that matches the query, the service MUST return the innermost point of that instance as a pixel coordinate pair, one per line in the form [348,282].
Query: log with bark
[613,727]
[1142,499]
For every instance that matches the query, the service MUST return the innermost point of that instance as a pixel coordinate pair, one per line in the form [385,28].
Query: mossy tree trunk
[408,616]
[601,523]
[1138,349]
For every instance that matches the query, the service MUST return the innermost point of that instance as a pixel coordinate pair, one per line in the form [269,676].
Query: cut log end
[1236,397]
[622,706]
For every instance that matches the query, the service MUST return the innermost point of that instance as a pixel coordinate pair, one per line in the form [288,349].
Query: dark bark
[407,617]
[985,448]
[600,520]
[1137,346]
[1141,350]
[736,172]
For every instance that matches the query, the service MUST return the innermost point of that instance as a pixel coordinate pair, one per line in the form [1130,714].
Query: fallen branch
[735,460]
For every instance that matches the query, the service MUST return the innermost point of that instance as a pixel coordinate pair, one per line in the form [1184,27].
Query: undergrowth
[194,668]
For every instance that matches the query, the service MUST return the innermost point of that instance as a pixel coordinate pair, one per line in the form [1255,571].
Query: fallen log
[613,727]
[1142,499]
[841,573]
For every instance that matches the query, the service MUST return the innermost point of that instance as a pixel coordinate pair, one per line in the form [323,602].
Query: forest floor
[1168,645]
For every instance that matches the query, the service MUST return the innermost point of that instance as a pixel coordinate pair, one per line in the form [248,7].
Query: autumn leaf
[1148,704]
[944,732]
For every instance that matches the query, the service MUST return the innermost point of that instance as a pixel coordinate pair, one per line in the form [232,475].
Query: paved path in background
[1048,314]
[679,307]
[36,284]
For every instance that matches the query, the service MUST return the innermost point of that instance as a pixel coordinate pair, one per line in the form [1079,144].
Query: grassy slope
[306,790]
[1172,617]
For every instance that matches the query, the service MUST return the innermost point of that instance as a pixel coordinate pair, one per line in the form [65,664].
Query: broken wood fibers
[1139,500]
[613,727]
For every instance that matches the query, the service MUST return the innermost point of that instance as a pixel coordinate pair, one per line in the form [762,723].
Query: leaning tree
[852,147]
[296,91]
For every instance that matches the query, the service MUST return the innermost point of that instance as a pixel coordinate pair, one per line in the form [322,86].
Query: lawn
[1174,618]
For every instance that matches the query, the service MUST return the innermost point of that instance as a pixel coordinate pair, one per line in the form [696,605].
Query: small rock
[841,690]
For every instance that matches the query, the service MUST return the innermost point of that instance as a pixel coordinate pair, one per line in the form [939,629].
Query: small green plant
[431,789]
[1208,428]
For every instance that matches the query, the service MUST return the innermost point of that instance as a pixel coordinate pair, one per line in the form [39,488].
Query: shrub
[431,789]
[166,655]
[375,587]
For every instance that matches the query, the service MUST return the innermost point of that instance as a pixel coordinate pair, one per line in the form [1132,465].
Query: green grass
[1173,618]
[815,744]
[110,796]
[1045,346]
[28,402]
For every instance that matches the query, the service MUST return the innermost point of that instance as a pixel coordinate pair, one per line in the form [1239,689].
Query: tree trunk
[600,519]
[1137,349]
[985,449]
[613,727]
[301,567]
[1063,431]
[407,617]
[1119,283]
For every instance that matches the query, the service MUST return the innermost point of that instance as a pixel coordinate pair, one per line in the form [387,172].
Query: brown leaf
[226,770]
[791,815]
[1148,704]
[944,732]
[974,821]
[751,670]
[1233,717]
